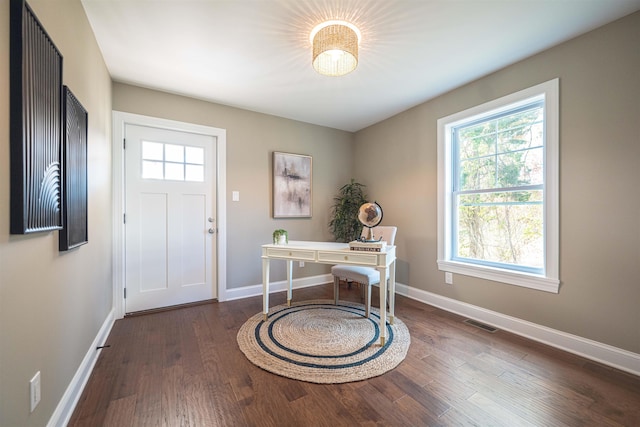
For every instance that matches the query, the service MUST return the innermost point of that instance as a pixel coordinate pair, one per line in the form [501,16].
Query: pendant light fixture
[335,48]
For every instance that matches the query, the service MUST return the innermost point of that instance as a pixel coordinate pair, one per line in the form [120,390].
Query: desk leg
[383,305]
[265,287]
[289,282]
[392,292]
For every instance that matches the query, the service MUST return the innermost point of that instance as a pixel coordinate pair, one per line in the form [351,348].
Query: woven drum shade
[335,50]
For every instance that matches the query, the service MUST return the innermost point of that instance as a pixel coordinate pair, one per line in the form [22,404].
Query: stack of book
[368,246]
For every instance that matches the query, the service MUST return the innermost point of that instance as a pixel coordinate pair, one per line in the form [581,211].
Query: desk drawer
[347,257]
[291,254]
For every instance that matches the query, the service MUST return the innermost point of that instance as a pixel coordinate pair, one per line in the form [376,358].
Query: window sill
[532,281]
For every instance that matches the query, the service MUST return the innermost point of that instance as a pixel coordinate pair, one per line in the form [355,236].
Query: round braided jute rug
[319,342]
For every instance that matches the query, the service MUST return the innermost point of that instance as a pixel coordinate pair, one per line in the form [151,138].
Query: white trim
[550,281]
[221,203]
[67,404]
[527,280]
[603,353]
[120,119]
[280,286]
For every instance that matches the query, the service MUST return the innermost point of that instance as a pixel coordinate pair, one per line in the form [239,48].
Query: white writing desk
[333,253]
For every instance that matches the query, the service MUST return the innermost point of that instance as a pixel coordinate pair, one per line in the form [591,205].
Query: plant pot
[280,237]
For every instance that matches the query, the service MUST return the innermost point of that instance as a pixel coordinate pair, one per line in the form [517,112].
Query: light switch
[235,196]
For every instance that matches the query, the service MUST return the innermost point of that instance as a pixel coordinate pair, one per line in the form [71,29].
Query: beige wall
[53,304]
[599,178]
[251,139]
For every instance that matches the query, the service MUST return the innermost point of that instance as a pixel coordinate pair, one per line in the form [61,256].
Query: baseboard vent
[482,326]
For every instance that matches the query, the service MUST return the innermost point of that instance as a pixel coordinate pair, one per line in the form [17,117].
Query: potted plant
[280,237]
[344,223]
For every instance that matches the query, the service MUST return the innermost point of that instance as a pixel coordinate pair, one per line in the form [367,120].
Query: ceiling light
[335,48]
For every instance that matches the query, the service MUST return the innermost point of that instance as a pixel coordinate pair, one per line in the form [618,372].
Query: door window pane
[174,171]
[152,150]
[172,162]
[152,170]
[174,153]
[194,155]
[194,173]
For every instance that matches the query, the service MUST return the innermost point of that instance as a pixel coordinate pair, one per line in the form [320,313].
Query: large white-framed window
[498,197]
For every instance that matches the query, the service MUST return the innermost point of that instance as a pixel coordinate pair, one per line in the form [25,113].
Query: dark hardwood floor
[184,368]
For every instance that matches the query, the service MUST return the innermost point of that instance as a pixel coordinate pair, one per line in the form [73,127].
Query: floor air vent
[480,325]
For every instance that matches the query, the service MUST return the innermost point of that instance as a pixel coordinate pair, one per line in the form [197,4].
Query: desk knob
[346,258]
[290,254]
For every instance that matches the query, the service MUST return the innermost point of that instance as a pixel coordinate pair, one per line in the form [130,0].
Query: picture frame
[35,98]
[292,185]
[74,176]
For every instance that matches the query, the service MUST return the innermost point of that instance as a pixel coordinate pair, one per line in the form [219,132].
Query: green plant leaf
[344,223]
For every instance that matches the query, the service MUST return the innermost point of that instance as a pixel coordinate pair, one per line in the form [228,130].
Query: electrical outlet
[34,387]
[301,264]
[448,278]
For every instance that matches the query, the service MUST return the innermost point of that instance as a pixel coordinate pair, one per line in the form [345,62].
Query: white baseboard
[67,404]
[280,286]
[593,350]
[603,353]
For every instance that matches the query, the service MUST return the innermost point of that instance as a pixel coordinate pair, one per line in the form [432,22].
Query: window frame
[548,280]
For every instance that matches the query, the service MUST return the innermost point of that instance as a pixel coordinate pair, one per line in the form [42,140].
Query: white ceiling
[256,54]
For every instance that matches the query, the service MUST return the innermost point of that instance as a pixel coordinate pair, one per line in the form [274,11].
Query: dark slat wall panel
[36,125]
[74,218]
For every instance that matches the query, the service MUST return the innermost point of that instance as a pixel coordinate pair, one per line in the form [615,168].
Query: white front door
[170,224]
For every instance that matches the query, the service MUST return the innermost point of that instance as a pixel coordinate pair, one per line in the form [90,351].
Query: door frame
[120,120]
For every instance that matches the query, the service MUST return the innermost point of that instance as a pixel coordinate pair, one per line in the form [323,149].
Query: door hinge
[124,144]
[124,218]
[125,293]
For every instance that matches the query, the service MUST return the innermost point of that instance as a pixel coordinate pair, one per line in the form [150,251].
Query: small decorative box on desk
[368,246]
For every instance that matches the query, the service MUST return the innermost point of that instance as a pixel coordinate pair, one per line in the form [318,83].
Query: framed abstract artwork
[35,98]
[74,174]
[292,180]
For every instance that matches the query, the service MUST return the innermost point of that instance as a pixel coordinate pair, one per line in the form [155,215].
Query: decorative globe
[370,215]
